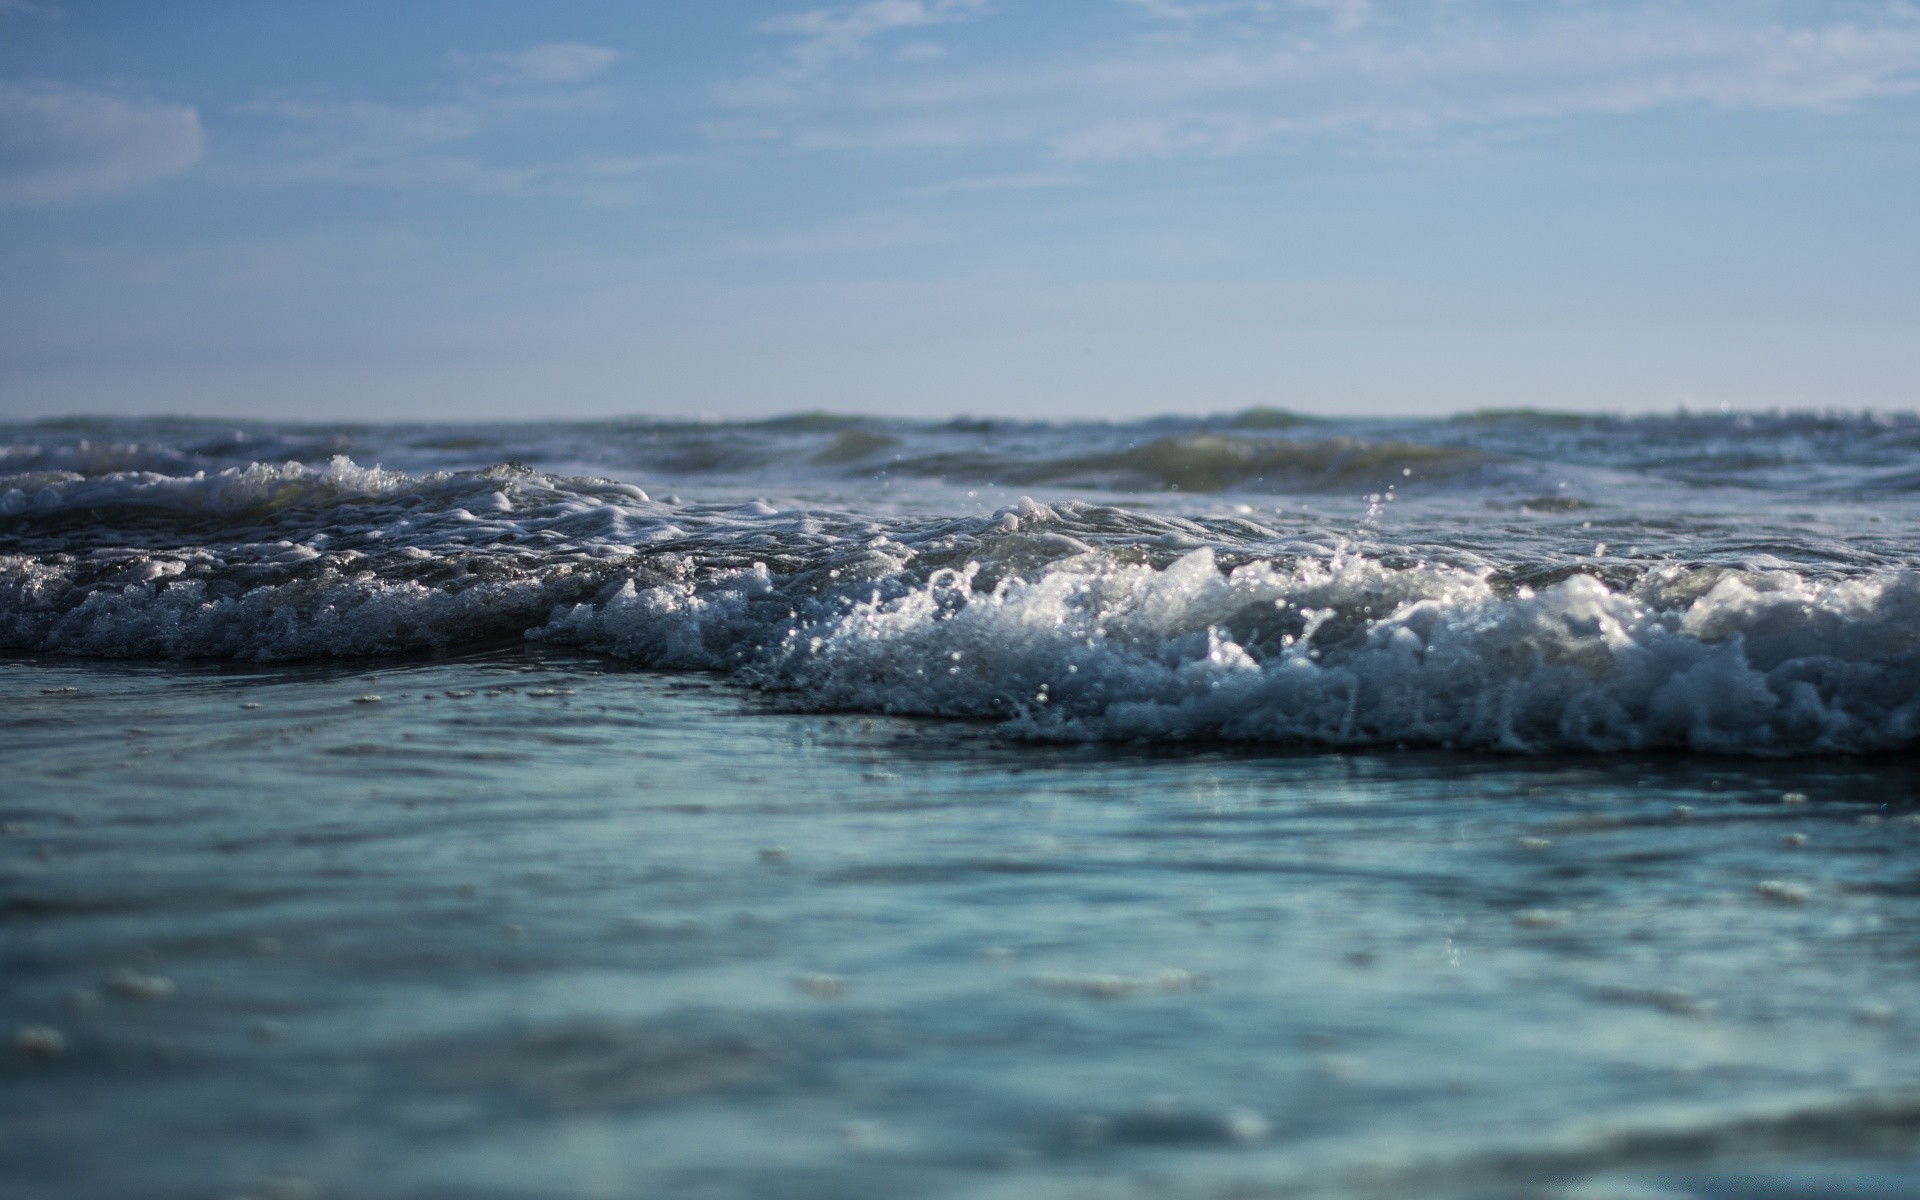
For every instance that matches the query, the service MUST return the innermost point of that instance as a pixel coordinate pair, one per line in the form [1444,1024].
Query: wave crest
[1346,652]
[1074,621]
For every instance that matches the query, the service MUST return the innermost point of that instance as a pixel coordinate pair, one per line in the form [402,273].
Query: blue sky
[1061,208]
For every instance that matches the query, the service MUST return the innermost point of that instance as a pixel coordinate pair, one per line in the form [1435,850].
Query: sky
[1040,208]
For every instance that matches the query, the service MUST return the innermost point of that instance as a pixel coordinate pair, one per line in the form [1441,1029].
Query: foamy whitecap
[1343,652]
[1075,620]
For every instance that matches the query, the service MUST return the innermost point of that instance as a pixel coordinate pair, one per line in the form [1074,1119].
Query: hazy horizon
[1266,417]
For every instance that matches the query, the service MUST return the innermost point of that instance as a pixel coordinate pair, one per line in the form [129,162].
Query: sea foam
[1345,652]
[1076,620]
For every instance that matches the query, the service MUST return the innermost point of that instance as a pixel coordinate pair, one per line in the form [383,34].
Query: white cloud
[826,35]
[61,143]
[1235,76]
[549,63]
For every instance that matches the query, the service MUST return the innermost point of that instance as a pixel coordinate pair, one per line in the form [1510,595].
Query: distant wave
[1258,451]
[1212,462]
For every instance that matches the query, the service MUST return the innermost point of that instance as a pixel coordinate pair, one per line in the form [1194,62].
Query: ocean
[1510,805]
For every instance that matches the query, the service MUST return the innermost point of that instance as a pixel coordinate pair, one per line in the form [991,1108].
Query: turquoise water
[537,924]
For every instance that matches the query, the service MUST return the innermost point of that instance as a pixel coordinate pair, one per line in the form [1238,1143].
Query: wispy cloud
[547,63]
[59,142]
[823,36]
[1027,181]
[378,128]
[865,234]
[452,144]
[375,144]
[1163,77]
[1344,14]
[822,39]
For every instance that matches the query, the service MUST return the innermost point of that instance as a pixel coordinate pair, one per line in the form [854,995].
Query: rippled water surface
[1508,806]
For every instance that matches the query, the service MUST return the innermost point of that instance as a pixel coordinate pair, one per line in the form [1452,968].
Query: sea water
[1514,805]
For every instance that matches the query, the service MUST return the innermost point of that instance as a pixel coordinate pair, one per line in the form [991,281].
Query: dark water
[792,810]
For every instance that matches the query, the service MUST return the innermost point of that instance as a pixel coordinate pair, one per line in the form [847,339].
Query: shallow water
[539,925]
[839,808]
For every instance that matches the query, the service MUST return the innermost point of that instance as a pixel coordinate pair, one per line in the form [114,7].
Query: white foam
[1069,622]
[1095,649]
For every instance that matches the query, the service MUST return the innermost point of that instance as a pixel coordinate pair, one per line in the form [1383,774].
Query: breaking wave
[1342,652]
[1071,621]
